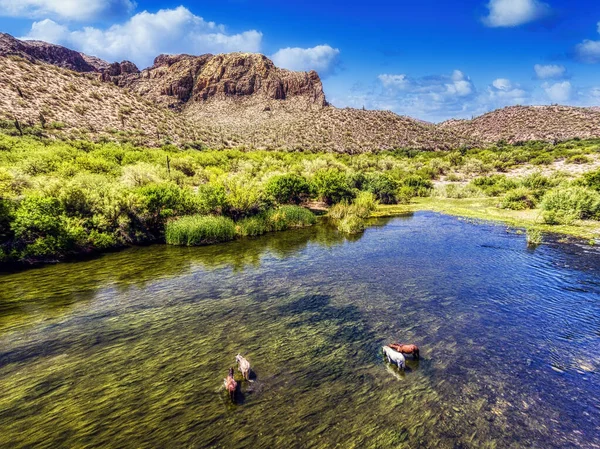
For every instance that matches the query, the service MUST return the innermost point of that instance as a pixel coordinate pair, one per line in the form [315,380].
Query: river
[130,349]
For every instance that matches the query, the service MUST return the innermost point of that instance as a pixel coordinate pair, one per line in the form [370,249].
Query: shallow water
[130,350]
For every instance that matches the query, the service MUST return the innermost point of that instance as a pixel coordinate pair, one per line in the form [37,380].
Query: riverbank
[485,209]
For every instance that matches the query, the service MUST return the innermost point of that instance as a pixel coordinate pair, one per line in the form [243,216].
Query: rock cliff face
[175,80]
[37,51]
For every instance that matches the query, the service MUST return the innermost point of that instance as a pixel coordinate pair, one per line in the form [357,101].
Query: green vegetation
[350,217]
[60,198]
[196,230]
[534,237]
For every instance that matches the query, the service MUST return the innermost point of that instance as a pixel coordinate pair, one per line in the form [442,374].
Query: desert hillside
[522,123]
[234,100]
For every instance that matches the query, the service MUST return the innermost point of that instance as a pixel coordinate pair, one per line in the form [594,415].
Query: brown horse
[230,384]
[406,349]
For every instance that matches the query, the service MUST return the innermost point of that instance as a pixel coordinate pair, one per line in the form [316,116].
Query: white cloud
[397,81]
[502,84]
[503,92]
[558,92]
[511,13]
[322,58]
[549,71]
[65,9]
[589,50]
[145,35]
[430,98]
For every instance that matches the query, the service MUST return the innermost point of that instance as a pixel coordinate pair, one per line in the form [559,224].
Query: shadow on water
[53,289]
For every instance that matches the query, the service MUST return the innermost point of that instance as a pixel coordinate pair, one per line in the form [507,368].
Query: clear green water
[130,350]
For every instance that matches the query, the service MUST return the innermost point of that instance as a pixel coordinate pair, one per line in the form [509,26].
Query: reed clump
[195,230]
[350,217]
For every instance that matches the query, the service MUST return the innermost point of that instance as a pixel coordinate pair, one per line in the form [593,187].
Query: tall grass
[350,218]
[195,230]
[280,219]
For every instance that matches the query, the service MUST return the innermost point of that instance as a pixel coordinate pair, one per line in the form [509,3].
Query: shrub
[518,199]
[37,217]
[159,202]
[5,219]
[592,180]
[457,191]
[418,185]
[556,217]
[581,202]
[494,185]
[578,159]
[383,187]
[332,186]
[243,197]
[197,230]
[286,189]
[404,195]
[211,198]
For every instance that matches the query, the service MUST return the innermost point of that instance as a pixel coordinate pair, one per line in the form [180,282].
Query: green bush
[195,230]
[6,207]
[494,185]
[332,186]
[159,202]
[592,180]
[581,202]
[383,186]
[457,191]
[520,198]
[418,185]
[243,197]
[286,189]
[211,198]
[38,217]
[559,217]
[578,159]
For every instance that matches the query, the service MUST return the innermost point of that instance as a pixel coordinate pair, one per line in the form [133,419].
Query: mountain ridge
[236,100]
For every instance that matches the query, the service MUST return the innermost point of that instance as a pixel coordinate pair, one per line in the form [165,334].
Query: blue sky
[430,59]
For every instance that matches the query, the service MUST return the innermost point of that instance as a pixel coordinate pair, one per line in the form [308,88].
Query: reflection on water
[130,349]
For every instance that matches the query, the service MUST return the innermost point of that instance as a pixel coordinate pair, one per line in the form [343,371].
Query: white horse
[394,357]
[243,366]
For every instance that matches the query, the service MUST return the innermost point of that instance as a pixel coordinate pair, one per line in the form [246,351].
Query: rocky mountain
[38,51]
[176,80]
[233,100]
[522,123]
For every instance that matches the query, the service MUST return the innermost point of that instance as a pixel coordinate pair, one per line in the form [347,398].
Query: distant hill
[234,100]
[522,123]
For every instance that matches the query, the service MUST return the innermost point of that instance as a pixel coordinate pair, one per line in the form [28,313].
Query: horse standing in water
[243,366]
[406,349]
[394,357]
[230,385]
